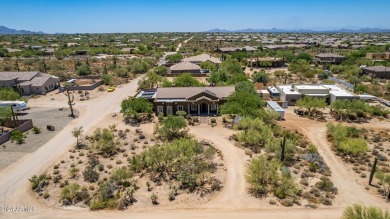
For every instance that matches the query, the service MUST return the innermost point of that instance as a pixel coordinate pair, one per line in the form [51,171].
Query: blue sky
[102,16]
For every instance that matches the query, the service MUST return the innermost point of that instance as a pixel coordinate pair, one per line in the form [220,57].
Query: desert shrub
[361,212]
[254,133]
[36,180]
[36,130]
[172,127]
[346,139]
[17,136]
[185,160]
[262,175]
[353,146]
[287,202]
[105,197]
[384,181]
[69,191]
[103,140]
[90,175]
[325,184]
[120,175]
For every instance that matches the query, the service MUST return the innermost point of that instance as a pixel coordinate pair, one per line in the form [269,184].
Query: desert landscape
[127,110]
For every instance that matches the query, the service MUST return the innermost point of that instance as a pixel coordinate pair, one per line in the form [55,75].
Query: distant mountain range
[276,30]
[6,30]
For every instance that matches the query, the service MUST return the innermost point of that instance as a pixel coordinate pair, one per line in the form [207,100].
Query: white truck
[16,105]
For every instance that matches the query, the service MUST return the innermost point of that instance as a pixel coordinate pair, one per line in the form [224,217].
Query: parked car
[111,89]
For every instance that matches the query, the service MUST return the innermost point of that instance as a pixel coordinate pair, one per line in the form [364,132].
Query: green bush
[36,130]
[361,212]
[353,146]
[262,175]
[17,136]
[35,180]
[90,175]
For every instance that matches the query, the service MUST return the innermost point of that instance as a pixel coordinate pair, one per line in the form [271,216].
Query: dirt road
[350,192]
[234,193]
[180,44]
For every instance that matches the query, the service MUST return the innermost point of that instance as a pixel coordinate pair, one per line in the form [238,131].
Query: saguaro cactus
[283,146]
[70,102]
[373,168]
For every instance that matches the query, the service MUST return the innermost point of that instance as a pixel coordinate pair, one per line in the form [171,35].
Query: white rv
[16,105]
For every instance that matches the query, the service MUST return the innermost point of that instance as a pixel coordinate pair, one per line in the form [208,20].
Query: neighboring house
[193,100]
[202,58]
[325,58]
[29,82]
[128,50]
[379,56]
[377,71]
[291,93]
[235,49]
[266,62]
[10,50]
[184,67]
[228,49]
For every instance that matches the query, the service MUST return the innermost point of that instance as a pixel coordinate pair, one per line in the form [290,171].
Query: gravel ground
[10,152]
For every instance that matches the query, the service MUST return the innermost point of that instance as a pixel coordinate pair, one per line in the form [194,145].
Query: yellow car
[111,89]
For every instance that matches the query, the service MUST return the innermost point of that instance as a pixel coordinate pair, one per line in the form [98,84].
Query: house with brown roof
[266,62]
[184,67]
[193,100]
[379,56]
[202,58]
[328,58]
[377,71]
[28,83]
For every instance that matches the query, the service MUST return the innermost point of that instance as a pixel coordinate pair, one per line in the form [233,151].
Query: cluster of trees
[183,80]
[183,160]
[246,103]
[229,72]
[254,133]
[303,68]
[354,109]
[136,109]
[347,139]
[311,104]
[174,58]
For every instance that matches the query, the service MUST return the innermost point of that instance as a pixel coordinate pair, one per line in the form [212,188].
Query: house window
[180,108]
[160,109]
[194,107]
[169,110]
[213,107]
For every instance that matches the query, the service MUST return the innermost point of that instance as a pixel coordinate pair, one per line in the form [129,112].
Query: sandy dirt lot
[10,152]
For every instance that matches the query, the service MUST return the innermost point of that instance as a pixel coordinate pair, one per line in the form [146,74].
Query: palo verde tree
[5,115]
[311,104]
[172,127]
[184,80]
[77,132]
[133,107]
[242,103]
[150,80]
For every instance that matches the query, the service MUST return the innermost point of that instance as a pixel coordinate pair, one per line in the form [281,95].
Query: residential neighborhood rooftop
[186,92]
